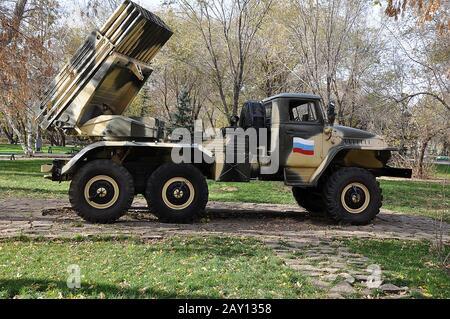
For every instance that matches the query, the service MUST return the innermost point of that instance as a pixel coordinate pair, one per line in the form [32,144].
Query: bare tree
[27,31]
[228,30]
[430,121]
[336,50]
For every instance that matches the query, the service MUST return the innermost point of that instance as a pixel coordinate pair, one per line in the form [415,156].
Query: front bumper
[53,170]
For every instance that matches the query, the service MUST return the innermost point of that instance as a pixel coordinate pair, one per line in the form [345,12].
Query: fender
[332,154]
[69,166]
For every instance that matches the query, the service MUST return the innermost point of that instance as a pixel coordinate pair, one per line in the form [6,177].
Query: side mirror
[331,113]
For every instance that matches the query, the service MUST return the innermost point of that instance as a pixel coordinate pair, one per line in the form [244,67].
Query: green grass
[22,179]
[17,149]
[418,198]
[253,192]
[23,166]
[175,268]
[410,264]
[442,171]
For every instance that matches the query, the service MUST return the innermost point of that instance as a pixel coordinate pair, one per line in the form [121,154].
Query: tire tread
[333,207]
[160,210]
[75,197]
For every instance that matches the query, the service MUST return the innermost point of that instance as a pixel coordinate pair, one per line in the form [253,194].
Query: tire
[101,191]
[310,199]
[177,193]
[352,195]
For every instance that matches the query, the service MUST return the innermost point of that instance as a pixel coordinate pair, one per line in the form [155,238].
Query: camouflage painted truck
[330,168]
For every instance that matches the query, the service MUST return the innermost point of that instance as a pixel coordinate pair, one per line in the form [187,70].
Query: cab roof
[293,96]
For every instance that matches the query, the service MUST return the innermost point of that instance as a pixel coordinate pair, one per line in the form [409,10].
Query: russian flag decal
[302,146]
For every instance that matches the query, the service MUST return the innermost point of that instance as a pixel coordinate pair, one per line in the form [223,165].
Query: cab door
[301,137]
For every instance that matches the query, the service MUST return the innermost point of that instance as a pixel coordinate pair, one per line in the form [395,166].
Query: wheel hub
[101,192]
[355,198]
[178,193]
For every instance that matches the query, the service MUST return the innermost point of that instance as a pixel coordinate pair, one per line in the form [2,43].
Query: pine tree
[145,107]
[183,113]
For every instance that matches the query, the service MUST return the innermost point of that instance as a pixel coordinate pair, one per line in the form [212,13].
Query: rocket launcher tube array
[97,70]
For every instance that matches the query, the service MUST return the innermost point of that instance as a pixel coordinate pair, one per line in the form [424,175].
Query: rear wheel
[101,191]
[310,199]
[177,193]
[352,195]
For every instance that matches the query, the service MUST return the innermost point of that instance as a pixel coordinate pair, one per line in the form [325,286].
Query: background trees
[183,115]
[28,36]
[338,51]
[384,63]
[228,30]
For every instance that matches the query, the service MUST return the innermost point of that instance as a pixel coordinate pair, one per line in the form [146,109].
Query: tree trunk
[16,131]
[422,156]
[210,116]
[29,135]
[16,20]
[9,135]
[51,138]
[62,139]
[38,144]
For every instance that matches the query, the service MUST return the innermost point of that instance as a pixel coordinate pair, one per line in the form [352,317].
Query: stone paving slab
[340,273]
[26,216]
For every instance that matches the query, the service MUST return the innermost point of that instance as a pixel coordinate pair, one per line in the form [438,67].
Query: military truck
[330,168]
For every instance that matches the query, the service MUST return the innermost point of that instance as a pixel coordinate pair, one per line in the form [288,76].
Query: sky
[72,6]
[149,4]
[373,19]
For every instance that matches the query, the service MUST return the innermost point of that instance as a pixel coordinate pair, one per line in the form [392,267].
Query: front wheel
[177,193]
[310,199]
[352,195]
[101,191]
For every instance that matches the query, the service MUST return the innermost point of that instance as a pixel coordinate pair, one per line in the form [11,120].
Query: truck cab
[308,145]
[297,130]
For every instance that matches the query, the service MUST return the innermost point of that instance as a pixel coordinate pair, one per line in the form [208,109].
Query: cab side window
[301,111]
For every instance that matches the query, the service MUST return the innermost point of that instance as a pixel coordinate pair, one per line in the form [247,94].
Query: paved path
[53,218]
[308,244]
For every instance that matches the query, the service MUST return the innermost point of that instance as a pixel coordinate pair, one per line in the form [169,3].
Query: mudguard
[68,167]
